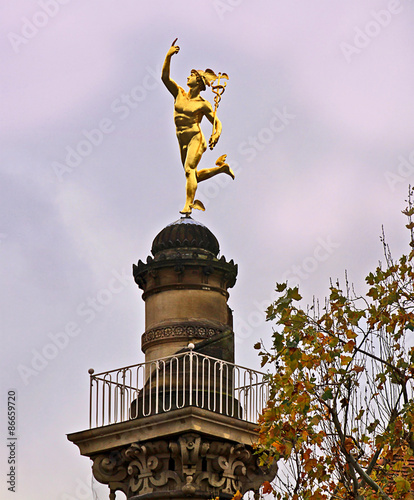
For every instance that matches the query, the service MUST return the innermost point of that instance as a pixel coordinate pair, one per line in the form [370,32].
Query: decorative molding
[190,464]
[181,263]
[178,331]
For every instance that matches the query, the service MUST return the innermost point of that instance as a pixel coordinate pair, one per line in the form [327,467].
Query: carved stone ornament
[189,465]
[181,263]
[184,331]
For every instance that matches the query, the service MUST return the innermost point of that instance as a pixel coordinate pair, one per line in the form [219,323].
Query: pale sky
[317,124]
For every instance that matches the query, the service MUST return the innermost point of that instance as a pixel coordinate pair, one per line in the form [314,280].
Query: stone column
[185,291]
[189,450]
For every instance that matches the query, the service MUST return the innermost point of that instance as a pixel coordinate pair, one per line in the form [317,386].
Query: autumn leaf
[358,369]
[294,294]
[349,444]
[408,211]
[373,425]
[279,447]
[349,346]
[346,360]
[310,464]
[237,496]
[402,485]
[350,334]
[360,414]
[267,487]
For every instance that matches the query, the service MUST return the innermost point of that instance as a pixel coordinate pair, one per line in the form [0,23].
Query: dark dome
[185,232]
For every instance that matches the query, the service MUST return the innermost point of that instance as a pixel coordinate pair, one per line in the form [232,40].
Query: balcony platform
[173,423]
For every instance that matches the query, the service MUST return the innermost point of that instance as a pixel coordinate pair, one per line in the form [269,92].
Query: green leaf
[402,485]
[293,293]
[327,395]
[292,344]
[265,359]
[360,414]
[278,341]
[408,211]
[280,287]
[373,425]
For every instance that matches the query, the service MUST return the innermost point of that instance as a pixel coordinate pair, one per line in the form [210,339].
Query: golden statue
[189,109]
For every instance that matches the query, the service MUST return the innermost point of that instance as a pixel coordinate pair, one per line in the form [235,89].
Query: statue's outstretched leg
[222,168]
[198,205]
[192,155]
[190,190]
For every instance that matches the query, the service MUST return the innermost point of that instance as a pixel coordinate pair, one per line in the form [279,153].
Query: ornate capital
[189,465]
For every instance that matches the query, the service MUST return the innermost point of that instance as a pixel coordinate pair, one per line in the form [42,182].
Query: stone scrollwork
[189,464]
[111,469]
[149,467]
[233,466]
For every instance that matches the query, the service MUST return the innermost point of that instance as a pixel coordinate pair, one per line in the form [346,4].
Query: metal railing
[187,379]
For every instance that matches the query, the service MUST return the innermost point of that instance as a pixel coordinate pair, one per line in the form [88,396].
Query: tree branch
[350,459]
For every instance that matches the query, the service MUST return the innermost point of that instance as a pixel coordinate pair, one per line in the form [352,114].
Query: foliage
[340,415]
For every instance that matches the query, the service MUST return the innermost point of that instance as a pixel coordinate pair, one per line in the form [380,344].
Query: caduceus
[218,89]
[189,109]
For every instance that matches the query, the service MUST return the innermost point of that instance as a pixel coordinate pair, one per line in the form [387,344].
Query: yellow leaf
[237,496]
[345,360]
[350,334]
[349,346]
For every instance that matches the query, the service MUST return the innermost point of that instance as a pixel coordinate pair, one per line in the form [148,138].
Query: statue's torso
[188,112]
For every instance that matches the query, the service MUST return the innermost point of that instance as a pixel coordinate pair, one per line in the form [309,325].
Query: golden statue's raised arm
[189,109]
[165,75]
